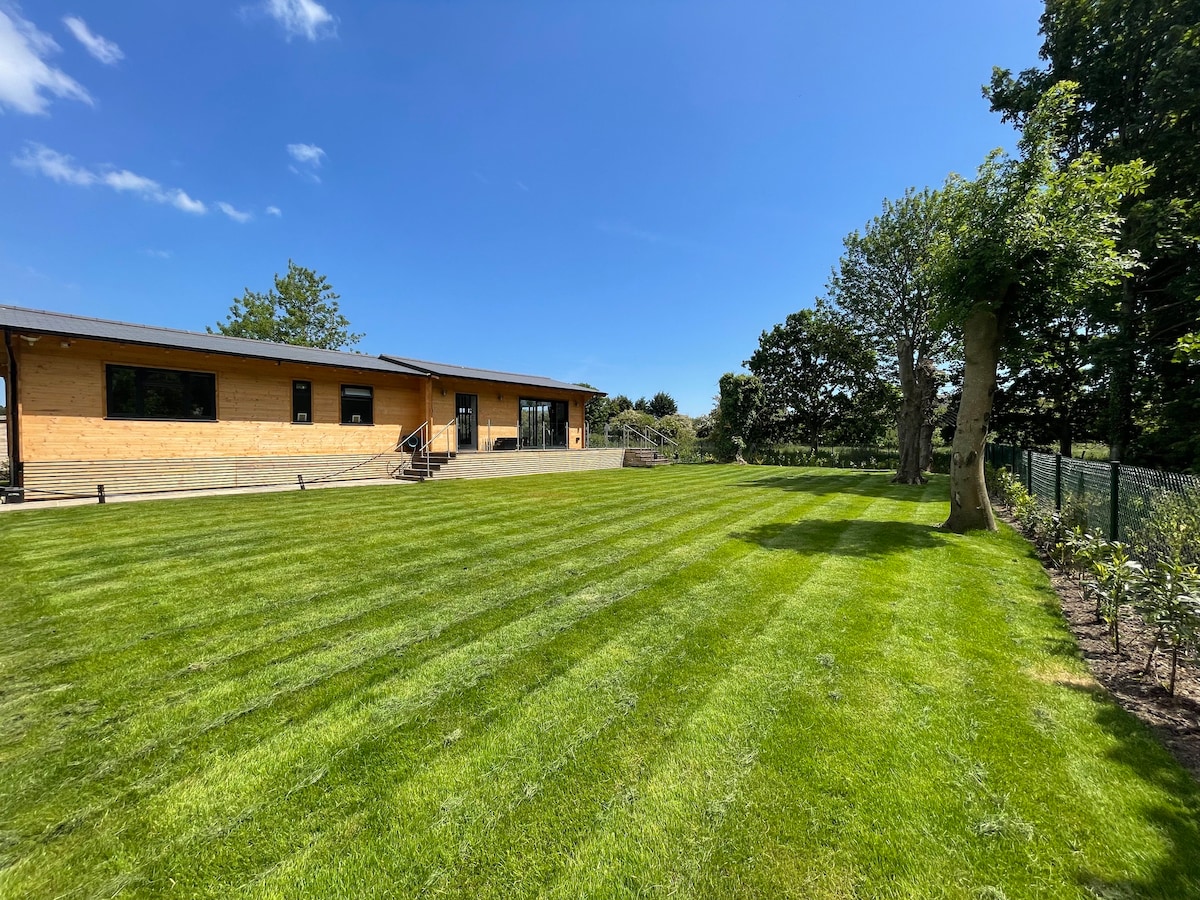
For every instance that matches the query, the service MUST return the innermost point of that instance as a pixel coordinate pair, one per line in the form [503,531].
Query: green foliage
[820,381]
[301,309]
[1148,576]
[1137,67]
[883,283]
[596,410]
[739,408]
[1170,530]
[634,417]
[662,404]
[1031,237]
[1119,579]
[1170,604]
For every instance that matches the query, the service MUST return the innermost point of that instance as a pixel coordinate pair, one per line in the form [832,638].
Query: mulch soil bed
[1175,720]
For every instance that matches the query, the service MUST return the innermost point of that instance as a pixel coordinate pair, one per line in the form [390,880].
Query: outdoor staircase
[425,465]
[645,459]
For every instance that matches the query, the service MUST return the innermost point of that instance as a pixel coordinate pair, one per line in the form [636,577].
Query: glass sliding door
[543,423]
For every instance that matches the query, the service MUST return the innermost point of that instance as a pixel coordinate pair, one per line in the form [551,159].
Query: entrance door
[467,406]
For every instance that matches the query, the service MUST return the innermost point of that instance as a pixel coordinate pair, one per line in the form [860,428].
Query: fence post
[1058,482]
[1114,499]
[1029,471]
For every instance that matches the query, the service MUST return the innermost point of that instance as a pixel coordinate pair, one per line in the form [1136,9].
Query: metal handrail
[643,434]
[420,429]
[424,447]
[665,440]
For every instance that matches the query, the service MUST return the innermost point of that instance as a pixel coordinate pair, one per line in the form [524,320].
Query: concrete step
[525,462]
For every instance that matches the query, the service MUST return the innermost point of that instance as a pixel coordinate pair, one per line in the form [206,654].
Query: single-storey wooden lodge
[141,408]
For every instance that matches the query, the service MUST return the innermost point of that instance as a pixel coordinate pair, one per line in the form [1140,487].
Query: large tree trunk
[908,422]
[1066,434]
[969,506]
[927,385]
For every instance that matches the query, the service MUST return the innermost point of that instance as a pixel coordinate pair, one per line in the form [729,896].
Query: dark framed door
[467,406]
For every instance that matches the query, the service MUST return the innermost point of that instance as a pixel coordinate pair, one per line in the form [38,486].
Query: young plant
[1170,603]
[1118,582]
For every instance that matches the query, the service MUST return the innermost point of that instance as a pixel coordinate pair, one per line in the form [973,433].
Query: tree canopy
[662,404]
[739,405]
[883,285]
[301,309]
[1027,240]
[1137,67]
[819,380]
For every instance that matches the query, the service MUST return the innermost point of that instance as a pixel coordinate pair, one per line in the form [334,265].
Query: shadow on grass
[865,538]
[869,484]
[1178,872]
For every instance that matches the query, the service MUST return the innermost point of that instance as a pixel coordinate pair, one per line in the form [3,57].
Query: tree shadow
[845,537]
[868,484]
[1178,874]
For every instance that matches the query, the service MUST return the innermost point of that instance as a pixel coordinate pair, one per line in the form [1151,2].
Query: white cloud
[308,158]
[125,180]
[157,254]
[236,214]
[182,201]
[274,211]
[306,154]
[302,18]
[101,48]
[25,77]
[56,166]
[60,167]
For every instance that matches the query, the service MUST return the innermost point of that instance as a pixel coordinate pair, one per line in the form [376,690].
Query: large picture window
[358,404]
[135,392]
[543,423]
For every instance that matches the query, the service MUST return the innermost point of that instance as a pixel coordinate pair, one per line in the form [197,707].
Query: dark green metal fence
[1104,497]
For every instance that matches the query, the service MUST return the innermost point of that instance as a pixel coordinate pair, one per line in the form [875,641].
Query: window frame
[140,378]
[346,414]
[296,411]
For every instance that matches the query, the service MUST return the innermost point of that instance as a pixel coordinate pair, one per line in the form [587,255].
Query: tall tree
[882,283]
[663,404]
[1028,239]
[1137,65]
[815,369]
[301,309]
[739,405]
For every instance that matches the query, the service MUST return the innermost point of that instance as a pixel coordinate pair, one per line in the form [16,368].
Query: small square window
[358,402]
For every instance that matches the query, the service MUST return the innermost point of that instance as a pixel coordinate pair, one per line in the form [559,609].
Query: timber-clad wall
[62,396]
[69,445]
[500,403]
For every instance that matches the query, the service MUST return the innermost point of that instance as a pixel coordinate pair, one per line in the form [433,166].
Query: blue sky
[621,193]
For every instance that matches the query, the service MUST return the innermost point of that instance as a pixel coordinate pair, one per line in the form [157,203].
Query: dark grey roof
[443,370]
[66,325]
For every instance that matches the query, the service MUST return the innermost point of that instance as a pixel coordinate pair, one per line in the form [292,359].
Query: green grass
[699,681]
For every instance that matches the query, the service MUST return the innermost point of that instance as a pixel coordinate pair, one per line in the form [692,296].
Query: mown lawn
[699,681]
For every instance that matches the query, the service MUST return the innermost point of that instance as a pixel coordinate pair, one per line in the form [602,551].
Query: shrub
[1170,604]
